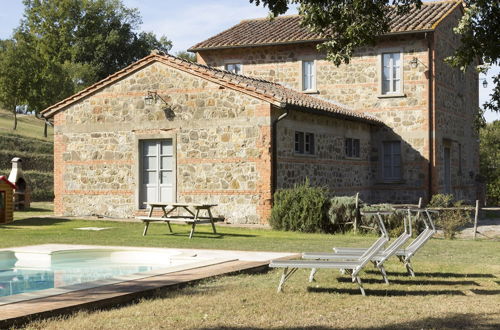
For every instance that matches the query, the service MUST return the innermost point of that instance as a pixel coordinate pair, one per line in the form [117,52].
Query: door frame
[148,135]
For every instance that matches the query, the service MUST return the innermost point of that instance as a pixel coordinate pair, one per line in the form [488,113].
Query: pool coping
[114,294]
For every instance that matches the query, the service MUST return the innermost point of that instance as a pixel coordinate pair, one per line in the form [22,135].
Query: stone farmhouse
[262,110]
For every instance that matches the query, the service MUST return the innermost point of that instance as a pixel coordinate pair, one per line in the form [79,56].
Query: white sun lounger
[351,267]
[405,255]
[378,259]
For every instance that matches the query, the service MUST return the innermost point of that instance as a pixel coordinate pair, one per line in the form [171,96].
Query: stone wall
[456,107]
[221,139]
[328,166]
[356,86]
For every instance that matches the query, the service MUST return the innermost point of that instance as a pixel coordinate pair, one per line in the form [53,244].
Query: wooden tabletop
[195,205]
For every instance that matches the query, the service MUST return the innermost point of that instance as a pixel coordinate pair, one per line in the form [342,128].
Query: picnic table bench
[192,217]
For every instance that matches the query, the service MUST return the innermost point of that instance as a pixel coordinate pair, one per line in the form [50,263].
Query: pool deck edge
[115,294]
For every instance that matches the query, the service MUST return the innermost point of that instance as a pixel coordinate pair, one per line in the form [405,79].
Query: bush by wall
[341,211]
[394,223]
[302,208]
[30,161]
[41,184]
[25,144]
[449,220]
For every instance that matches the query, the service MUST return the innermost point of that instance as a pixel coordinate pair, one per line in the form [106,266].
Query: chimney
[22,196]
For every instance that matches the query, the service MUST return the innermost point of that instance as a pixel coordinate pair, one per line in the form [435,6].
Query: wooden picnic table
[192,217]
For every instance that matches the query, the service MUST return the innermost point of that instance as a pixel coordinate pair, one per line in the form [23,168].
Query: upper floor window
[392,160]
[391,73]
[308,76]
[304,143]
[234,67]
[352,148]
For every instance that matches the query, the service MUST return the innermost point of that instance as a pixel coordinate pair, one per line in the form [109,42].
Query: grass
[36,152]
[27,126]
[457,283]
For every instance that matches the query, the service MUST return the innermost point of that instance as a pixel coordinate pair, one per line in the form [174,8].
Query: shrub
[302,208]
[41,185]
[449,220]
[394,223]
[25,144]
[341,211]
[30,161]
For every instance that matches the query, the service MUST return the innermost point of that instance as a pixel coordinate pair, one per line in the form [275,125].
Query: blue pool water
[24,272]
[21,280]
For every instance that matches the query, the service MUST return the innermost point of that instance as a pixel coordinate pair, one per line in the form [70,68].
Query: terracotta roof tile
[263,89]
[287,29]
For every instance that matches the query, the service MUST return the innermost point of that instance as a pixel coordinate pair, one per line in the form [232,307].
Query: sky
[188,22]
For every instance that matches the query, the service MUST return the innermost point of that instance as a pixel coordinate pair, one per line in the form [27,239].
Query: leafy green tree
[15,81]
[90,38]
[63,46]
[489,153]
[349,24]
[186,56]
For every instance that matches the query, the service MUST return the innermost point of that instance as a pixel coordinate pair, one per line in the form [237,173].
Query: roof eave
[194,50]
[338,115]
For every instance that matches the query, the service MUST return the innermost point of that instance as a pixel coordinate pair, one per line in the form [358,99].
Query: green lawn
[27,126]
[457,282]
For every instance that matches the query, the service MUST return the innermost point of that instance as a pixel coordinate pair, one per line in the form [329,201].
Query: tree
[63,46]
[14,80]
[349,24]
[90,38]
[489,154]
[186,56]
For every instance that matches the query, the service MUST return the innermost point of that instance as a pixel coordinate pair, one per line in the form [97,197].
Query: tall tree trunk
[15,118]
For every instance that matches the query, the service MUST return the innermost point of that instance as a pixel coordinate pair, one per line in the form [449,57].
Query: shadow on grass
[486,292]
[453,321]
[434,274]
[411,282]
[35,221]
[389,292]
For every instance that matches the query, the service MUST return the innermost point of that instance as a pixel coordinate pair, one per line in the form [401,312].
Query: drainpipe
[274,154]
[430,110]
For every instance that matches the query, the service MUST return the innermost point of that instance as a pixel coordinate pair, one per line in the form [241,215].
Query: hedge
[25,144]
[30,161]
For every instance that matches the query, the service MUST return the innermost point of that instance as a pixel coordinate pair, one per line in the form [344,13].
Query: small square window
[299,142]
[352,147]
[234,67]
[304,143]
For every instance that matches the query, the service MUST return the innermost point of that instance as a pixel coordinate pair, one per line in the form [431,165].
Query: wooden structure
[193,217]
[6,200]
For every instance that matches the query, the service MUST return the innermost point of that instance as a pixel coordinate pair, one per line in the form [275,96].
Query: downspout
[274,154]
[430,110]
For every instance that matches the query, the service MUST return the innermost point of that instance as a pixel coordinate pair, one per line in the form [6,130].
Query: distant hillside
[36,152]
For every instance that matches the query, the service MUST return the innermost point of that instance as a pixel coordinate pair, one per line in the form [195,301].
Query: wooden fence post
[476,216]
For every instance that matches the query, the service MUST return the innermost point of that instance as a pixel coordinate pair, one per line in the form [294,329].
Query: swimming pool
[29,274]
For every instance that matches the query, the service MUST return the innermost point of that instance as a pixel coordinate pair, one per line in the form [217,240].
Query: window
[352,148]
[392,160]
[391,73]
[304,143]
[308,78]
[234,67]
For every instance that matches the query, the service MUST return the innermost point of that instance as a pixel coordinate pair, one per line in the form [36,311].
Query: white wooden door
[157,171]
